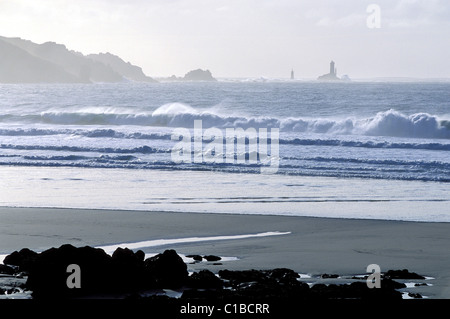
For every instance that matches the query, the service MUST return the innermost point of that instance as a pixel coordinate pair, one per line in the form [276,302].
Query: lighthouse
[332,69]
[331,76]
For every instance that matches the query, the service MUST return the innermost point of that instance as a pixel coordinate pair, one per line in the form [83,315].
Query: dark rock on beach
[126,272]
[282,284]
[128,269]
[23,259]
[391,284]
[48,274]
[235,278]
[167,270]
[415,295]
[276,284]
[402,274]
[204,279]
[6,270]
[127,258]
[282,275]
[327,276]
[123,272]
[212,258]
[195,257]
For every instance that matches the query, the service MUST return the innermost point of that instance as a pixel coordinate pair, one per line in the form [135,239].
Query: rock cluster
[127,272]
[123,272]
[282,284]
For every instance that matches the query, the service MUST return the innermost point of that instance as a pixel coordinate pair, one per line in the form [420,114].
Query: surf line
[162,242]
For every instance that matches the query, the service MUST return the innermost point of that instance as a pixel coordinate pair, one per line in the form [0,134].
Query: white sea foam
[387,123]
[173,109]
[165,242]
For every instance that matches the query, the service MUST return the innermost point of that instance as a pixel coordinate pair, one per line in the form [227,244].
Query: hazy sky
[246,38]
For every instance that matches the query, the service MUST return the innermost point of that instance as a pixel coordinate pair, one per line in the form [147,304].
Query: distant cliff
[126,69]
[22,61]
[19,66]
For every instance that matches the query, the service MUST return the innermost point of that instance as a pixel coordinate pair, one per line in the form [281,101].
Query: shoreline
[314,245]
[217,213]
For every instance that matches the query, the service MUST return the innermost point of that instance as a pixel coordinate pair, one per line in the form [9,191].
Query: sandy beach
[310,246]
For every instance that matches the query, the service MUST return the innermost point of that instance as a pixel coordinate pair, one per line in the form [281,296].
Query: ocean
[377,150]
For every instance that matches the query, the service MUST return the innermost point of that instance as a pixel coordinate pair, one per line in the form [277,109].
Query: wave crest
[388,123]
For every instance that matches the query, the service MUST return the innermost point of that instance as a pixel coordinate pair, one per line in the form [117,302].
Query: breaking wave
[388,123]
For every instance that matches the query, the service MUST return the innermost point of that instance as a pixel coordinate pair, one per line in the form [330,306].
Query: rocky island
[197,75]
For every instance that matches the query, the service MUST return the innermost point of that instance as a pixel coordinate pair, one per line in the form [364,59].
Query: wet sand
[313,246]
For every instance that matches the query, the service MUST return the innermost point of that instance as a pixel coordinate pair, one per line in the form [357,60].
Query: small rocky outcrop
[48,274]
[6,270]
[199,75]
[212,258]
[195,257]
[204,279]
[402,274]
[23,259]
[166,270]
